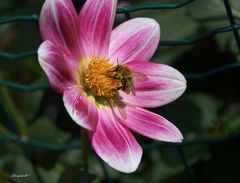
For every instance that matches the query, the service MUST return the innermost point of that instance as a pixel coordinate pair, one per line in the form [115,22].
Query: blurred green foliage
[209,109]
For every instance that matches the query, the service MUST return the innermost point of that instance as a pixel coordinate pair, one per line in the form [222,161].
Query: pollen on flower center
[100,78]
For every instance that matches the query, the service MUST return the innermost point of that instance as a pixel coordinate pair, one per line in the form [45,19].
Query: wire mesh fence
[12,57]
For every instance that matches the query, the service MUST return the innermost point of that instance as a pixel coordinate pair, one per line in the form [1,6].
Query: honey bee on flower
[125,76]
[106,78]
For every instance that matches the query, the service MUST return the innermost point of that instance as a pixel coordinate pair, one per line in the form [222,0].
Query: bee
[126,77]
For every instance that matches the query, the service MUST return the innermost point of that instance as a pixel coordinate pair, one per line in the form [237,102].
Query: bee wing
[137,76]
[131,87]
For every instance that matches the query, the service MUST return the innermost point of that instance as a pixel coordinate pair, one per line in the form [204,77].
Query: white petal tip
[128,167]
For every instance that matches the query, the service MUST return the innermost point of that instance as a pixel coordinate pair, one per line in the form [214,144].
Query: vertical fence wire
[233,22]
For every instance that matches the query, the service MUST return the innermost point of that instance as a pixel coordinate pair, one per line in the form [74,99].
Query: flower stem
[84,150]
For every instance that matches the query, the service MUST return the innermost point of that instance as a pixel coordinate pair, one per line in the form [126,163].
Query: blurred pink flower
[106,79]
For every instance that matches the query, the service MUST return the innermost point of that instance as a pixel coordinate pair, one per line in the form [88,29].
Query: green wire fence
[232,27]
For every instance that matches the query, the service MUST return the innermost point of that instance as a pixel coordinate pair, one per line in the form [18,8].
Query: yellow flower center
[102,79]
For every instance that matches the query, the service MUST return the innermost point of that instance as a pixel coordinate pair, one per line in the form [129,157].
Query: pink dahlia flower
[106,79]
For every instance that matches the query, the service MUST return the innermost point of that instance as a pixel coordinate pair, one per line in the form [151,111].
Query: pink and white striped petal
[58,23]
[115,144]
[96,21]
[136,39]
[164,84]
[56,65]
[82,109]
[150,125]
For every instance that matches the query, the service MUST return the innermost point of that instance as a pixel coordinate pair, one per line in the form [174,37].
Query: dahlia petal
[115,144]
[151,125]
[135,39]
[96,21]
[59,24]
[82,109]
[164,84]
[56,65]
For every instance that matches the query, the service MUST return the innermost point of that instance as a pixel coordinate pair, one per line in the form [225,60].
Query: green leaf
[10,106]
[29,103]
[5,178]
[209,107]
[229,123]
[215,16]
[75,175]
[45,130]
[194,112]
[4,130]
[21,170]
[69,157]
[168,55]
[212,9]
[175,25]
[49,176]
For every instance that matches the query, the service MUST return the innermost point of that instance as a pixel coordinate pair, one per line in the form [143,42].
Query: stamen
[98,80]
